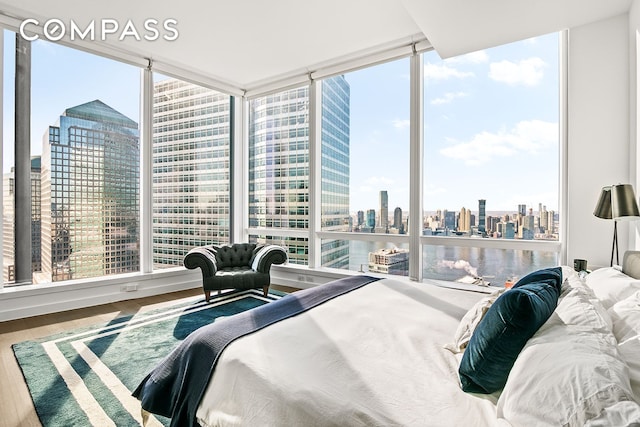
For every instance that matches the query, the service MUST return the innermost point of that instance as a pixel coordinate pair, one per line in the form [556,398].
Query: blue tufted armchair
[236,266]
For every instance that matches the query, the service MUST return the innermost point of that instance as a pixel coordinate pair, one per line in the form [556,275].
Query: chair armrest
[202,257]
[267,255]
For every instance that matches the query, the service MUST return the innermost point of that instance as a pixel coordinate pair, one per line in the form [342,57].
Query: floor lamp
[617,202]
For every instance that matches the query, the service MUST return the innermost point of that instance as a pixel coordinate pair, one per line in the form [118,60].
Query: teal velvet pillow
[503,332]
[553,276]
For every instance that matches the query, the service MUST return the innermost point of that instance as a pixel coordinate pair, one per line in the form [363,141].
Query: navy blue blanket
[175,387]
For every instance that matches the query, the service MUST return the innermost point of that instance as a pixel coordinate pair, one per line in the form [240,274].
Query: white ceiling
[456,27]
[249,43]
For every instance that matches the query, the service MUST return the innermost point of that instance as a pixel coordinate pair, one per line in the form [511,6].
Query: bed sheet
[372,357]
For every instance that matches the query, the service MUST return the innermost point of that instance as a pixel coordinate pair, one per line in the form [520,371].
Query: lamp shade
[603,208]
[623,202]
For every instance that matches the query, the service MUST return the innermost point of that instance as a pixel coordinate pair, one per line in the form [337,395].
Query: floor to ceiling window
[84,149]
[365,167]
[279,171]
[491,166]
[491,160]
[191,169]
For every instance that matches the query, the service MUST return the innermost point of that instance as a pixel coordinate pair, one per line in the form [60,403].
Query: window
[365,166]
[84,164]
[279,170]
[490,166]
[491,158]
[191,169]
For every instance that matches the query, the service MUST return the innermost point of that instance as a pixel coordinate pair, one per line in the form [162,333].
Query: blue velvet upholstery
[236,266]
[553,276]
[505,329]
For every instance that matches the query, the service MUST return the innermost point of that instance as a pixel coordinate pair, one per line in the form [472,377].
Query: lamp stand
[614,247]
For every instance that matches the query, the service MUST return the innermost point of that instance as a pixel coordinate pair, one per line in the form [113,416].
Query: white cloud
[432,190]
[448,98]
[478,57]
[378,180]
[526,72]
[444,72]
[401,124]
[375,184]
[526,136]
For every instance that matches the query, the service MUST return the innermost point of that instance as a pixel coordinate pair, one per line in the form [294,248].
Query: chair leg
[265,290]
[207,295]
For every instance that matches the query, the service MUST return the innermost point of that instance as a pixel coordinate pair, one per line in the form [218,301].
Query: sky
[490,130]
[490,123]
[62,78]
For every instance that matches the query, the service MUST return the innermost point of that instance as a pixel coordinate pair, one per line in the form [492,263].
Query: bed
[366,351]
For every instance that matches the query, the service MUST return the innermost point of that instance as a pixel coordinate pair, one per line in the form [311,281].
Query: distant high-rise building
[482,216]
[360,218]
[551,221]
[371,219]
[464,223]
[90,194]
[449,220]
[397,218]
[493,222]
[384,210]
[544,220]
[528,226]
[9,222]
[522,209]
[509,231]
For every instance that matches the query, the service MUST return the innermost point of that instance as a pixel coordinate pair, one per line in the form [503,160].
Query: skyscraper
[522,209]
[9,218]
[279,168]
[371,219]
[449,220]
[335,169]
[191,170]
[384,210]
[397,218]
[90,194]
[482,216]
[528,226]
[464,223]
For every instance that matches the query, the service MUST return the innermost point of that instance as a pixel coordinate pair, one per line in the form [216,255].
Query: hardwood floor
[16,407]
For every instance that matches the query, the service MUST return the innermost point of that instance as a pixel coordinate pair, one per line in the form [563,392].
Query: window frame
[239,229]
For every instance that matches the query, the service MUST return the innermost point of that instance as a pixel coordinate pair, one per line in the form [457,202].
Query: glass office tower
[191,169]
[279,169]
[90,194]
[9,223]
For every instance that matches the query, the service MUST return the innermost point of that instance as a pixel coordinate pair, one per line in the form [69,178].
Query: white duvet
[373,357]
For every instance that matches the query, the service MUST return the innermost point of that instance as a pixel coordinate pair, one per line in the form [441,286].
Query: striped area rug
[85,377]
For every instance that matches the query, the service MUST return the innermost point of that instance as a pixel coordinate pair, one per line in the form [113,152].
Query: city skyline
[522,222]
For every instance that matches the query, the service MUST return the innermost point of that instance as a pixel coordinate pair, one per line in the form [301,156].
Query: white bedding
[381,378]
[387,354]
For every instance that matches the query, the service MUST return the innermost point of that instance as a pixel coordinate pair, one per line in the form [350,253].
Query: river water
[451,263]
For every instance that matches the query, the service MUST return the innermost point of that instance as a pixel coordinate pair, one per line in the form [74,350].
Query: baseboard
[35,300]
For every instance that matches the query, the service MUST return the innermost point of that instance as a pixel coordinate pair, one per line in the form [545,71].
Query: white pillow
[625,316]
[630,351]
[570,371]
[470,320]
[621,414]
[611,285]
